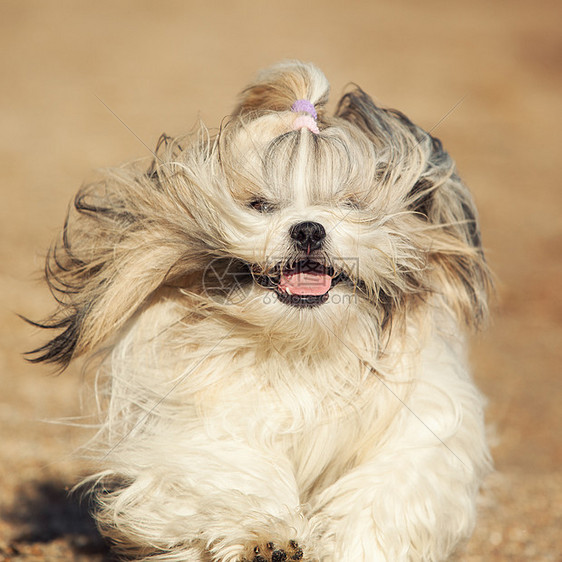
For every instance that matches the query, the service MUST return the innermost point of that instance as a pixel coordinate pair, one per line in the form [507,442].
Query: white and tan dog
[279,311]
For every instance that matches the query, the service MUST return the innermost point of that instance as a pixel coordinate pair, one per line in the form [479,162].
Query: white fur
[234,421]
[382,464]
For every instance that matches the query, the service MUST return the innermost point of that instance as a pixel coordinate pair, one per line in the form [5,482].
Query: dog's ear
[436,196]
[455,251]
[278,87]
[125,237]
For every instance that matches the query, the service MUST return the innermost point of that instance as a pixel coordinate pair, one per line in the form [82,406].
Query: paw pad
[270,552]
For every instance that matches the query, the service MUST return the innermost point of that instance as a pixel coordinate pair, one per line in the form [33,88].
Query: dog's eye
[262,206]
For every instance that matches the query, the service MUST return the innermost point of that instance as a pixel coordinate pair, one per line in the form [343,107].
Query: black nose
[308,235]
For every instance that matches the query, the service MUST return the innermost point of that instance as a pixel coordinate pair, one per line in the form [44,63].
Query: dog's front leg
[201,499]
[411,498]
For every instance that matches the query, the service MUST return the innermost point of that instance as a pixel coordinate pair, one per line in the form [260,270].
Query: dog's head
[286,219]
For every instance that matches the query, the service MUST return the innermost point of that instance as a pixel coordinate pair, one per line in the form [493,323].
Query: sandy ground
[161,66]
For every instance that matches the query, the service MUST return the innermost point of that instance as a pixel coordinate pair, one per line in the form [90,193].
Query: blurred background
[85,85]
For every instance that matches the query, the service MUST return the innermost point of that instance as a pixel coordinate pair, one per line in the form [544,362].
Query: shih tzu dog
[277,313]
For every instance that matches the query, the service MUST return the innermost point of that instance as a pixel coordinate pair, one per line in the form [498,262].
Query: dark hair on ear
[437,197]
[358,108]
[67,278]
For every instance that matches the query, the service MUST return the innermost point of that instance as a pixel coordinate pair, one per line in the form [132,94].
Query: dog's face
[357,218]
[317,228]
[306,217]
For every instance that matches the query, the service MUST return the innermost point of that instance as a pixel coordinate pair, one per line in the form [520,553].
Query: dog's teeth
[288,290]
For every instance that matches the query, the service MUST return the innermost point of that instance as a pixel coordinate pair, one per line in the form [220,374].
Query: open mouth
[305,284]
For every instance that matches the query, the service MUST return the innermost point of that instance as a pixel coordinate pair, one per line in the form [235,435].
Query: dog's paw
[272,552]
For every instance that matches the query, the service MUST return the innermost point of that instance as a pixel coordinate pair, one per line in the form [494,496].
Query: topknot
[278,87]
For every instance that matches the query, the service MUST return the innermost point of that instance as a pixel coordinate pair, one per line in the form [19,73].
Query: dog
[277,315]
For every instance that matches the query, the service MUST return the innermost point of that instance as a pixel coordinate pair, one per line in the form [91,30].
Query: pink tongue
[309,283]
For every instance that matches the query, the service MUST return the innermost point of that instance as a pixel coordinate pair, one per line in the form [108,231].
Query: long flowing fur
[237,426]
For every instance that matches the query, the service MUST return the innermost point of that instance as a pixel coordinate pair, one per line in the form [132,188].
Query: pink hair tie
[305,121]
[304,106]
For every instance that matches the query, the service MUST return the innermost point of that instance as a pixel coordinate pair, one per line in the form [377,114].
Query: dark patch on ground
[49,518]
